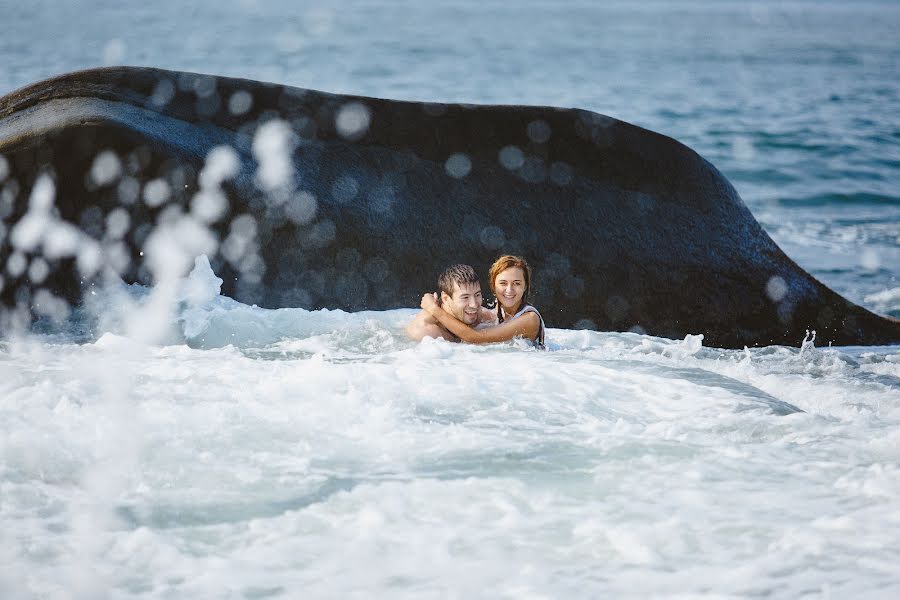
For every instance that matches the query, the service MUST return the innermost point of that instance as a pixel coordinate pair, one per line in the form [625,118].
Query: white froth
[294,442]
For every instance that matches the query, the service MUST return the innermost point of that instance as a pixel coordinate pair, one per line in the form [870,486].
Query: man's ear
[444,298]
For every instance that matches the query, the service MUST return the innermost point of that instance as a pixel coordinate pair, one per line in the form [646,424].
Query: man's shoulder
[424,325]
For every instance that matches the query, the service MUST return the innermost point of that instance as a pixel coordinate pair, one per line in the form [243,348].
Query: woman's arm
[487,317]
[526,326]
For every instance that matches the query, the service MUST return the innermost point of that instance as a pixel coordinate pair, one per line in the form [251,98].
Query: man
[460,295]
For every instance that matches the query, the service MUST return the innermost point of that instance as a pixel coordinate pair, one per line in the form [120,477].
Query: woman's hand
[429,303]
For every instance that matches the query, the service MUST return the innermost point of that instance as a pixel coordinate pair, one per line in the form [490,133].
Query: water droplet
[42,194]
[539,131]
[376,269]
[113,52]
[240,242]
[534,170]
[458,166]
[157,192]
[162,93]
[321,234]
[118,258]
[48,305]
[209,205]
[222,163]
[38,270]
[16,264]
[561,173]
[572,287]
[128,191]
[273,146]
[492,237]
[870,260]
[62,240]
[344,189]
[106,168]
[240,103]
[301,208]
[511,157]
[742,149]
[352,121]
[117,223]
[204,86]
[776,288]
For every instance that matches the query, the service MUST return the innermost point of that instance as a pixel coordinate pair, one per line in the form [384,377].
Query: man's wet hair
[456,274]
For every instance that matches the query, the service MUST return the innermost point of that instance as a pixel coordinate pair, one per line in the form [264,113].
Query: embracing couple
[455,312]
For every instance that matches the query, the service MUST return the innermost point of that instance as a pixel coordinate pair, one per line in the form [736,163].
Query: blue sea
[229,451]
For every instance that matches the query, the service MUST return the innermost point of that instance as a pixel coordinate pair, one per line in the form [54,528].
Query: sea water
[200,447]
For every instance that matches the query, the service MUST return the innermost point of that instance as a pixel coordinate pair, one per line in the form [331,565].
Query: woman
[510,279]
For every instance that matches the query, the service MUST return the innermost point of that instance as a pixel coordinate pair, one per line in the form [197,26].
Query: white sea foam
[274,451]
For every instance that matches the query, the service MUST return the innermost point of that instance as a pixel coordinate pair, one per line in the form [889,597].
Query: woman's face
[510,287]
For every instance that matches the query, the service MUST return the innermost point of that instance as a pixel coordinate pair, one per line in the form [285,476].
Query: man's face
[465,303]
